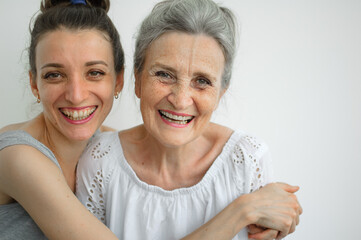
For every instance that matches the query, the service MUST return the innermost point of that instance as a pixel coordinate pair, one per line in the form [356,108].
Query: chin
[80,135]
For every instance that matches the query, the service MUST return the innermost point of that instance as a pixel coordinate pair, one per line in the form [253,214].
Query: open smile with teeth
[77,115]
[175,118]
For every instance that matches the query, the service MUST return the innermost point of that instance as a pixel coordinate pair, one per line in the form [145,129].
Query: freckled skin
[186,58]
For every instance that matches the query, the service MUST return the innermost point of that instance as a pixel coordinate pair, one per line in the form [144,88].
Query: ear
[119,81]
[138,87]
[33,85]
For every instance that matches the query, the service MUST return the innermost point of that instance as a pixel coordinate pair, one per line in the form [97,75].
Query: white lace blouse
[133,209]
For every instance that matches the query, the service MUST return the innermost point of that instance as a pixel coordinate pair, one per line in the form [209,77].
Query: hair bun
[47,4]
[104,4]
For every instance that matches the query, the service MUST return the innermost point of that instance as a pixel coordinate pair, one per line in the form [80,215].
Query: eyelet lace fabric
[246,156]
[95,201]
[133,209]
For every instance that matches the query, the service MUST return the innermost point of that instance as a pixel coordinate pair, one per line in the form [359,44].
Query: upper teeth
[78,114]
[176,117]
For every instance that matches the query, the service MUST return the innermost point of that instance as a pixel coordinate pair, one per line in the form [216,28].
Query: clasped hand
[275,211]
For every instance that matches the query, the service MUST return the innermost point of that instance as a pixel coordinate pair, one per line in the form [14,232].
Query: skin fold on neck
[172,167]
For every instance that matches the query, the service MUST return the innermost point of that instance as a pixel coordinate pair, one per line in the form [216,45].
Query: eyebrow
[95,63]
[52,65]
[58,65]
[161,65]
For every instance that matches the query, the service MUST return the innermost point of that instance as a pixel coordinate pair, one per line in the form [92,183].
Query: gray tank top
[15,222]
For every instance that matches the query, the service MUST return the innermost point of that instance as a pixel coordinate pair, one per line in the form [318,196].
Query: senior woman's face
[180,86]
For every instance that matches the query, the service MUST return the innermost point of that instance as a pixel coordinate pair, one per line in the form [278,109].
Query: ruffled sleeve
[252,162]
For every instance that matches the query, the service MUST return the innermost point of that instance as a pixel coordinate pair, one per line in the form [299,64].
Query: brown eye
[52,76]
[165,77]
[163,74]
[96,74]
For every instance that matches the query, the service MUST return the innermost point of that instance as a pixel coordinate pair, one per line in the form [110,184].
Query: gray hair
[189,16]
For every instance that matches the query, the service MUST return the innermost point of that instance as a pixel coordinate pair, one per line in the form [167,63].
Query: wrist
[245,211]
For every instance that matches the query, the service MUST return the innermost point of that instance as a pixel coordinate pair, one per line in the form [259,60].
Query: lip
[78,122]
[175,124]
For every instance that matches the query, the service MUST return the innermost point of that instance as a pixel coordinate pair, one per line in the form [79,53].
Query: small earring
[38,99]
[116,96]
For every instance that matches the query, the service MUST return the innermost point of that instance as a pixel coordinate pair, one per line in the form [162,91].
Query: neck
[66,151]
[169,167]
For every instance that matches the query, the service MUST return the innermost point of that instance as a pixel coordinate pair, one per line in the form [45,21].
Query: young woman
[76,68]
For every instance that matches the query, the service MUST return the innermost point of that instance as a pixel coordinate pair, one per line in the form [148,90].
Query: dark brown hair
[57,14]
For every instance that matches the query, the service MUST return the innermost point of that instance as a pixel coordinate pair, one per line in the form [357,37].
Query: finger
[253,229]
[282,235]
[293,227]
[288,188]
[298,206]
[285,232]
[265,235]
[300,211]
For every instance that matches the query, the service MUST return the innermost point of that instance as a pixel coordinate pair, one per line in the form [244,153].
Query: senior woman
[174,173]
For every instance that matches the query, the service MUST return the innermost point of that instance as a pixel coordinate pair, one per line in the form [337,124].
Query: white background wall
[296,84]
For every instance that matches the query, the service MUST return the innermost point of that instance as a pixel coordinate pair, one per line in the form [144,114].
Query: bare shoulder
[104,128]
[133,134]
[13,127]
[219,132]
[17,157]
[19,164]
[32,126]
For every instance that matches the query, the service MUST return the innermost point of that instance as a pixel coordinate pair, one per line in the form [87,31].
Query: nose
[76,89]
[180,96]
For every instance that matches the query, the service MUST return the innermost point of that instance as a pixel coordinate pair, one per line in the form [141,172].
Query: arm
[30,178]
[270,212]
[274,207]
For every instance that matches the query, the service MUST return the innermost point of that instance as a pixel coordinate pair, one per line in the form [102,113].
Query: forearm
[226,224]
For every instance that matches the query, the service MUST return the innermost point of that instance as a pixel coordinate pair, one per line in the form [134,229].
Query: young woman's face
[180,86]
[75,80]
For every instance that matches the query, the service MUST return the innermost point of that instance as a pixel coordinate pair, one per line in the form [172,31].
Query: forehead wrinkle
[205,66]
[192,56]
[191,62]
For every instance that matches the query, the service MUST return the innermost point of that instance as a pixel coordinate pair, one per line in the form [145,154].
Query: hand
[260,233]
[276,207]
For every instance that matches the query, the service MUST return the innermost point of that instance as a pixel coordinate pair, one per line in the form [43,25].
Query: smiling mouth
[77,115]
[177,119]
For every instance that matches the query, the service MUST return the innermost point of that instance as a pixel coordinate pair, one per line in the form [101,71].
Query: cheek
[207,103]
[153,93]
[49,94]
[105,92]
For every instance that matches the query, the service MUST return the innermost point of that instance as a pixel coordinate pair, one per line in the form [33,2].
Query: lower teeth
[174,121]
[76,119]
